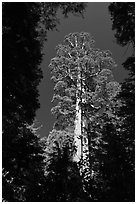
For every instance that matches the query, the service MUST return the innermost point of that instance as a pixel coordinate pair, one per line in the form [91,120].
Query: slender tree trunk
[78,120]
[81,140]
[89,135]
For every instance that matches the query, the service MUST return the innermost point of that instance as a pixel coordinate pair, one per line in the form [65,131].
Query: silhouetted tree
[22,44]
[49,18]
[21,76]
[64,183]
[123,19]
[110,184]
[23,173]
[112,153]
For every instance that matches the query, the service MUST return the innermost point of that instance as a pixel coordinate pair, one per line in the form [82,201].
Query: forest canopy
[89,154]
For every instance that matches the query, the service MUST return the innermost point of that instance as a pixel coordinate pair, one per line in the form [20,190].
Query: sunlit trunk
[78,120]
[80,137]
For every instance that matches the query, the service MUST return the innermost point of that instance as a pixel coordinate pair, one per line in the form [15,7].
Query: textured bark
[78,120]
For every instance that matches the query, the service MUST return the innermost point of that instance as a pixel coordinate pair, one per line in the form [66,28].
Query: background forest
[36,169]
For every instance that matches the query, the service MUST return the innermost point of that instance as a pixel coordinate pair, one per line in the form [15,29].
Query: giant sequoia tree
[85,92]
[23,27]
[84,85]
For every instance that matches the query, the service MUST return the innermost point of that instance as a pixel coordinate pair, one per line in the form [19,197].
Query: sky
[97,22]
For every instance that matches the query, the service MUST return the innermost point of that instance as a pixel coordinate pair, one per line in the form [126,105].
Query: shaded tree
[113,152]
[125,34]
[21,76]
[111,168]
[122,12]
[64,183]
[23,173]
[49,18]
[22,44]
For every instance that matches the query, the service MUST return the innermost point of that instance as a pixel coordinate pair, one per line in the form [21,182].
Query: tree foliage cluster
[120,13]
[123,22]
[112,154]
[98,104]
[22,26]
[63,179]
[44,170]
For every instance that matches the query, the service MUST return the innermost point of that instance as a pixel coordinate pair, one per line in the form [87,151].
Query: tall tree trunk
[89,135]
[78,120]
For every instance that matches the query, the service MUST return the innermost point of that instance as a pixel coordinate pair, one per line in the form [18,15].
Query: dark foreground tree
[113,176]
[64,183]
[23,173]
[23,24]
[122,12]
[21,76]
